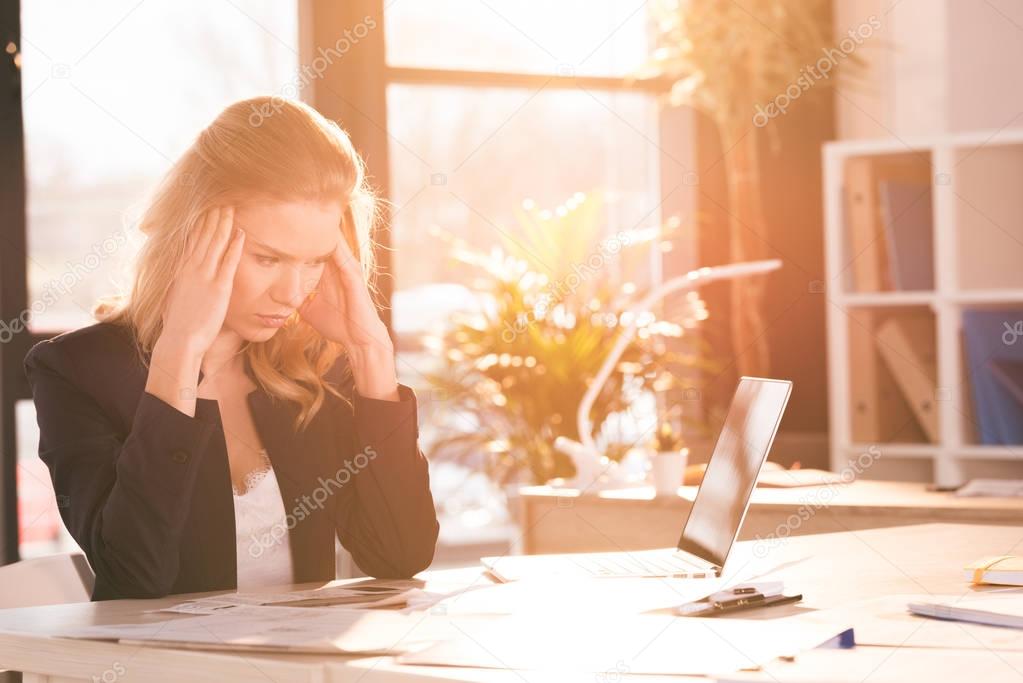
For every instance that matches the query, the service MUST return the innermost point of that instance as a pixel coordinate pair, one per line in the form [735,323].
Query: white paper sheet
[886,621]
[361,594]
[570,642]
[624,645]
[560,595]
[287,629]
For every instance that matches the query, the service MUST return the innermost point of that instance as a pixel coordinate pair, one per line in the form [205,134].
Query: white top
[264,552]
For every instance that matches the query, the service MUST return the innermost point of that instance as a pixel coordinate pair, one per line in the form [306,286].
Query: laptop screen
[731,474]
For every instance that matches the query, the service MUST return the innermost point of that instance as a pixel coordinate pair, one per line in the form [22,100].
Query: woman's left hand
[341,309]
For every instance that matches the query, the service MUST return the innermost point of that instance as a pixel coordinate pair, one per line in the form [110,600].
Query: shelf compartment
[888,223]
[893,383]
[985,182]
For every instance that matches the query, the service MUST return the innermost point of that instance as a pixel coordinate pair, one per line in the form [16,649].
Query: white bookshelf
[977,195]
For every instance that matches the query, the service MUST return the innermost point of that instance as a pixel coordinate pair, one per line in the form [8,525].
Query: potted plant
[668,460]
[512,374]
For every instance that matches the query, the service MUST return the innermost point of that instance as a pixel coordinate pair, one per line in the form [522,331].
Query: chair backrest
[50,580]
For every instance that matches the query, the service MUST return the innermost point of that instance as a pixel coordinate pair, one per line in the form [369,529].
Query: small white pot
[667,469]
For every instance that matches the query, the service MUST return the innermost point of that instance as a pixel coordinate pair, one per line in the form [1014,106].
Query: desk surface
[885,495]
[839,568]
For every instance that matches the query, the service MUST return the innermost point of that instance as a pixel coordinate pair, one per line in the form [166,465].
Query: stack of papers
[992,488]
[555,625]
[620,645]
[371,593]
[565,595]
[279,629]
[642,644]
[787,479]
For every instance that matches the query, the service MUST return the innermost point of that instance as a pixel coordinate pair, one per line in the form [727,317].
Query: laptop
[717,513]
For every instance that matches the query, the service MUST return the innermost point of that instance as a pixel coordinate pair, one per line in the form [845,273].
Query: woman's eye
[267,260]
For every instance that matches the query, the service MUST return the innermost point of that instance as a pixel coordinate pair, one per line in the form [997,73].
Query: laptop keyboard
[625,564]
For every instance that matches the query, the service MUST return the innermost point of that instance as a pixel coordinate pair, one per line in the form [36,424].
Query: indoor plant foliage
[513,374]
[730,60]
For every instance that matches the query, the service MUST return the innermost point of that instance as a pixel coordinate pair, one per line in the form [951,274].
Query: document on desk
[281,629]
[887,621]
[564,595]
[619,644]
[370,593]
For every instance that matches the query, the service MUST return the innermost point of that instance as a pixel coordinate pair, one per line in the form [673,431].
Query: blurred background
[545,165]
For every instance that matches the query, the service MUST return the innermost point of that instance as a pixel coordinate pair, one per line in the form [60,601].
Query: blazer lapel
[274,421]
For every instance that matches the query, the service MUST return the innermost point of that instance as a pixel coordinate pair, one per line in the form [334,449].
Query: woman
[200,436]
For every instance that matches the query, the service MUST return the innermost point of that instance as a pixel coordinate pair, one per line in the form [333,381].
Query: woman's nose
[289,289]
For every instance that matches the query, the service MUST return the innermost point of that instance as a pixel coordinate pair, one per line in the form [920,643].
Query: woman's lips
[272,320]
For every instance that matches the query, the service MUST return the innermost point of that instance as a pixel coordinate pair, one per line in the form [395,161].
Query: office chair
[50,580]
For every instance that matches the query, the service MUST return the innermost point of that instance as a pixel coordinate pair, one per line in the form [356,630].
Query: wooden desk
[561,520]
[841,567]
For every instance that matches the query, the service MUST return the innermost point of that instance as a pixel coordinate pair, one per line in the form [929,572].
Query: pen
[739,602]
[767,588]
[717,608]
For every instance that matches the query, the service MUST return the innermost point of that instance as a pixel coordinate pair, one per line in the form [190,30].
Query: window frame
[365,73]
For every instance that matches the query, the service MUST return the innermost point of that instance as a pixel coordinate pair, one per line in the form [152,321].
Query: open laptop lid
[741,449]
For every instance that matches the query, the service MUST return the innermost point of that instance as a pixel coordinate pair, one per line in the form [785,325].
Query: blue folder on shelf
[992,338]
[906,209]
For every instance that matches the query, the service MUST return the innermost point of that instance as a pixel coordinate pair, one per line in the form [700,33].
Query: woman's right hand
[197,302]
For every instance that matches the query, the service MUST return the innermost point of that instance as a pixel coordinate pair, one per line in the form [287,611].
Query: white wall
[935,66]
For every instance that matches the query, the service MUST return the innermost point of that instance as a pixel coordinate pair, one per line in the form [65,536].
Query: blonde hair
[266,148]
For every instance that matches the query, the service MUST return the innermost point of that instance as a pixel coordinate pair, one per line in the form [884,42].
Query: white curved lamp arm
[691,280]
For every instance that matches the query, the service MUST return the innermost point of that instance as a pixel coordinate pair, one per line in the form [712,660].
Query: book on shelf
[880,413]
[1009,374]
[906,211]
[882,196]
[993,346]
[907,345]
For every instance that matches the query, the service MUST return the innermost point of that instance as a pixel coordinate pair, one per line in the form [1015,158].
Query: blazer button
[179,456]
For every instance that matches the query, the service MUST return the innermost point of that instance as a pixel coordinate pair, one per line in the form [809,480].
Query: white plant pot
[668,469]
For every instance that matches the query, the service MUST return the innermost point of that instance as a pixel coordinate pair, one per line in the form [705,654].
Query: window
[113,93]
[584,37]
[493,107]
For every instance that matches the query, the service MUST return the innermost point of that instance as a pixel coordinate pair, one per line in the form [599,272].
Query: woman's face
[287,247]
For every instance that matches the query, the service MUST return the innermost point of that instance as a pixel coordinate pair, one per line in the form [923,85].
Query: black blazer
[145,489]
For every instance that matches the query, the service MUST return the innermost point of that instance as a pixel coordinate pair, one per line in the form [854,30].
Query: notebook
[1006,570]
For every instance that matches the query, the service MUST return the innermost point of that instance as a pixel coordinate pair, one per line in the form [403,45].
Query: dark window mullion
[13,266]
